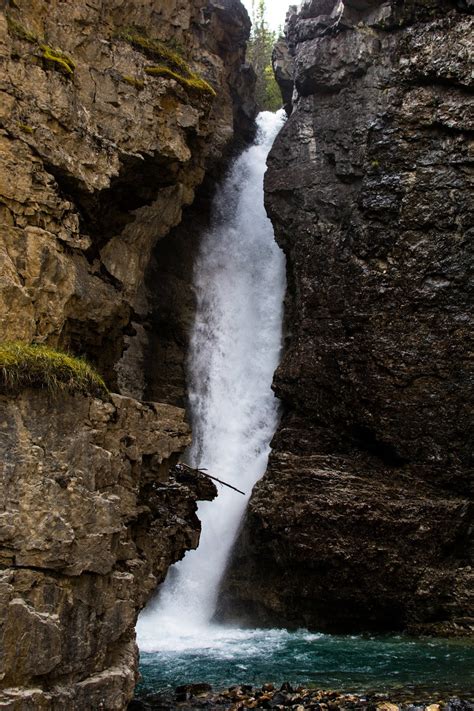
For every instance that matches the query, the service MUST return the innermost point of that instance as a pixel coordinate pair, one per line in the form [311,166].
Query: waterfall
[235,347]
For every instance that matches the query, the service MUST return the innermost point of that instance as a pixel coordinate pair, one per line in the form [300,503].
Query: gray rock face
[91,519]
[362,520]
[283,67]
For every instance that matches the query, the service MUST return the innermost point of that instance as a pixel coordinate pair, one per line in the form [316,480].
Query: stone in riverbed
[186,692]
[315,699]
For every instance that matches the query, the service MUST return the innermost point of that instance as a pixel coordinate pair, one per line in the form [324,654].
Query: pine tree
[259,54]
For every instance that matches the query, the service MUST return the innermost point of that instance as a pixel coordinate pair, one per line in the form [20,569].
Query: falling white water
[235,348]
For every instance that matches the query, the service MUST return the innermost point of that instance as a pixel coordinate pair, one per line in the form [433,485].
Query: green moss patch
[54,58]
[193,81]
[58,60]
[26,128]
[171,64]
[154,49]
[23,365]
[133,81]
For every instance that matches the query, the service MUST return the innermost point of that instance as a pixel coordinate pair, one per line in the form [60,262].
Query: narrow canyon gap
[235,347]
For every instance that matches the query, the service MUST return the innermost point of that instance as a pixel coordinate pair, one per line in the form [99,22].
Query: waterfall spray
[235,347]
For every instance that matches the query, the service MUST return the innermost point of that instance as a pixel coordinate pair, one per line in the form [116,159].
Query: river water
[355,664]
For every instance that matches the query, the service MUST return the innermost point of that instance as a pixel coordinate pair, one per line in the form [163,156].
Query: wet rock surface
[363,518]
[237,698]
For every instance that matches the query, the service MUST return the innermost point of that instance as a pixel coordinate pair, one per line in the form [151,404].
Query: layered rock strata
[102,145]
[91,520]
[363,519]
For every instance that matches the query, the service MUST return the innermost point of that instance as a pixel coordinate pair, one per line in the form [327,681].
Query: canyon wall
[363,519]
[99,156]
[91,520]
[111,115]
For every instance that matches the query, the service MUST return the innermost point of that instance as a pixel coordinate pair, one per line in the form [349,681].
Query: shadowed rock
[363,518]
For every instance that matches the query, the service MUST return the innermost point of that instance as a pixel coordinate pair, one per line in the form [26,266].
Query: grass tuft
[193,81]
[58,59]
[17,30]
[25,365]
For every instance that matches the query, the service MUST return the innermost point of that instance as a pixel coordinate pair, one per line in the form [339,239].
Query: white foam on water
[235,348]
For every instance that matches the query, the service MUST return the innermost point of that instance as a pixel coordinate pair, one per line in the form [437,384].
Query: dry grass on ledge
[25,365]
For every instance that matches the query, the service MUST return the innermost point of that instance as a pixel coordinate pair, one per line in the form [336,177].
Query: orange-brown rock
[91,519]
[100,151]
[97,162]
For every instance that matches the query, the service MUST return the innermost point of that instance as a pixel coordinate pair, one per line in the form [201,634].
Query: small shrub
[58,60]
[193,82]
[25,365]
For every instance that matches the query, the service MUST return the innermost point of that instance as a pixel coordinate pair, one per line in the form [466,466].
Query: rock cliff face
[101,150]
[363,518]
[91,520]
[111,115]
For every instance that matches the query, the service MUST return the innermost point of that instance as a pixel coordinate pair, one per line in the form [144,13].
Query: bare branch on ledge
[214,478]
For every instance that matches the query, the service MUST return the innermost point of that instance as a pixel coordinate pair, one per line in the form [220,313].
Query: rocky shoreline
[236,698]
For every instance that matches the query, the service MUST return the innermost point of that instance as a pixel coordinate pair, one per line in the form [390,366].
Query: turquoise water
[349,664]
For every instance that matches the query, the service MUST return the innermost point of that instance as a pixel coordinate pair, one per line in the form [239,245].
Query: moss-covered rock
[154,49]
[16,29]
[56,59]
[133,81]
[192,81]
[33,365]
[172,65]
